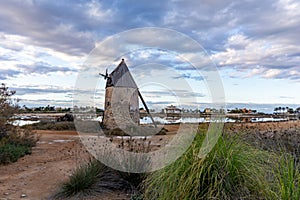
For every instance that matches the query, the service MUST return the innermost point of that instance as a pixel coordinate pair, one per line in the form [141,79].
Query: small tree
[15,142]
[8,108]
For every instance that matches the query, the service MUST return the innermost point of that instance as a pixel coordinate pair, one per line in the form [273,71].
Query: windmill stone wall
[121,108]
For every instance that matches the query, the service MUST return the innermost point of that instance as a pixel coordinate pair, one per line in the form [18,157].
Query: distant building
[210,111]
[245,110]
[172,110]
[207,111]
[142,110]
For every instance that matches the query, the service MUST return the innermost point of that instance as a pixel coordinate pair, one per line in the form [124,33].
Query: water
[170,120]
[24,122]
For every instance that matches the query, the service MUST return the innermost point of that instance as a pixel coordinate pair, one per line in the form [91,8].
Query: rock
[23,195]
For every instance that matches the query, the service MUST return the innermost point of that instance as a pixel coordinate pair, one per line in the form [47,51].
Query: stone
[121,108]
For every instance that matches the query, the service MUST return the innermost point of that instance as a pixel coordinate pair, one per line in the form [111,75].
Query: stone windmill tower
[121,109]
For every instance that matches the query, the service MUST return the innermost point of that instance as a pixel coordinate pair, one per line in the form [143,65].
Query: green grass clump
[232,170]
[91,179]
[82,179]
[287,175]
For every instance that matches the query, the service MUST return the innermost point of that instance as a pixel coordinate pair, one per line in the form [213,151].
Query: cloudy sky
[255,45]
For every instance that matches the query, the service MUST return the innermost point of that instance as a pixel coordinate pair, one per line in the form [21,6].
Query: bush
[232,170]
[21,137]
[16,144]
[11,153]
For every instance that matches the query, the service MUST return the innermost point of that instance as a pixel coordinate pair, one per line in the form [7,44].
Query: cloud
[51,89]
[237,34]
[249,38]
[34,68]
[260,57]
[44,102]
[43,68]
[133,14]
[152,103]
[46,90]
[48,24]
[256,71]
[189,76]
[7,58]
[179,93]
[271,73]
[73,27]
[286,97]
[7,73]
[243,34]
[237,42]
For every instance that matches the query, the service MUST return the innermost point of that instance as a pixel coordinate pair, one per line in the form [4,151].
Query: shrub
[21,137]
[11,152]
[16,144]
[232,170]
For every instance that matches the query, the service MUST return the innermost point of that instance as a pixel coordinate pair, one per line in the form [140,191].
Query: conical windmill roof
[121,77]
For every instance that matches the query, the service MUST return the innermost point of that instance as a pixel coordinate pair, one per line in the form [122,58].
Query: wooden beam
[146,107]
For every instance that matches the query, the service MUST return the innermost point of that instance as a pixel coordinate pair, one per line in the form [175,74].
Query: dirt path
[39,175]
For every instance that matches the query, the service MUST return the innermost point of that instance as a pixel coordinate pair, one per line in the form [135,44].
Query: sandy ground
[39,175]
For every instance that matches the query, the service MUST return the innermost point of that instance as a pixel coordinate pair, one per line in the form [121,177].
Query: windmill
[121,109]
